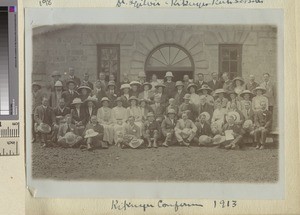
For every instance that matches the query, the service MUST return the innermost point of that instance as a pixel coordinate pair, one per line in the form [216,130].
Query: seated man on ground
[168,126]
[203,129]
[68,134]
[185,130]
[151,130]
[132,137]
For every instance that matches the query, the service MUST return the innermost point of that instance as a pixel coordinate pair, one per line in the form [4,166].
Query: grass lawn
[199,164]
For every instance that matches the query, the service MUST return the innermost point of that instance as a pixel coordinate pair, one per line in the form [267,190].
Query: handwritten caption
[182,3]
[45,3]
[176,205]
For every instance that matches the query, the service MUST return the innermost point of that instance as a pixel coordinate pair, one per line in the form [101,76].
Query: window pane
[225,54]
[233,54]
[225,66]
[233,67]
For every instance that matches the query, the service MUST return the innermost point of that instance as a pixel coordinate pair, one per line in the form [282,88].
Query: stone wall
[58,48]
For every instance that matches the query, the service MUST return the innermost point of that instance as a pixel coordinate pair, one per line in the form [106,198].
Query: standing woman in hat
[119,112]
[238,85]
[135,110]
[195,99]
[70,94]
[180,92]
[104,117]
[90,106]
[78,115]
[146,93]
[84,92]
[135,85]
[125,94]
[56,95]
[233,98]
[256,101]
[220,94]
[111,93]
[170,85]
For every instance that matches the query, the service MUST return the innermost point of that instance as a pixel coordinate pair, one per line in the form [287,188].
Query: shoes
[257,147]
[165,144]
[228,146]
[262,147]
[154,145]
[185,143]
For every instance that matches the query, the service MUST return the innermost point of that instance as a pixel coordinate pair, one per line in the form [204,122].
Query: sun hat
[71,81]
[93,99]
[160,85]
[179,83]
[247,92]
[192,85]
[124,86]
[90,133]
[171,111]
[144,100]
[260,88]
[205,87]
[205,140]
[187,96]
[169,74]
[220,91]
[105,99]
[232,92]
[238,78]
[70,138]
[150,114]
[133,98]
[76,101]
[36,84]
[236,116]
[83,87]
[207,115]
[58,84]
[119,99]
[147,83]
[248,124]
[111,83]
[135,143]
[55,73]
[43,128]
[135,83]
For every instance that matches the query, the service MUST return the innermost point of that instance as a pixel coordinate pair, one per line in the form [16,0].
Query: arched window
[169,57]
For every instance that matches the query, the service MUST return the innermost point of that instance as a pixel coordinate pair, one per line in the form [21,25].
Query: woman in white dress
[135,111]
[195,98]
[104,117]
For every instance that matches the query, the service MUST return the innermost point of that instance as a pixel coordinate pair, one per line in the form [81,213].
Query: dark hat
[84,87]
[147,83]
[71,81]
[160,85]
[205,87]
[192,85]
[36,84]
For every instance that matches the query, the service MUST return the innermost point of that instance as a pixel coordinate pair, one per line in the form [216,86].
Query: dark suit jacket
[44,115]
[81,118]
[112,97]
[206,108]
[252,86]
[170,89]
[125,101]
[263,119]
[199,85]
[167,126]
[57,112]
[206,130]
[88,83]
[217,85]
[99,94]
[68,97]
[158,111]
[75,79]
[248,116]
[88,115]
[179,97]
[98,128]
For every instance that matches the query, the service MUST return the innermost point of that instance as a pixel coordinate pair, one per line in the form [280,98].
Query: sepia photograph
[155,103]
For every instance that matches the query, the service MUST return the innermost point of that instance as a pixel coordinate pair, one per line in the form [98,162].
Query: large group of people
[135,114]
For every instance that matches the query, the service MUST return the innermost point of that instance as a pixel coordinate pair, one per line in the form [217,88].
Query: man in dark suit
[99,92]
[61,110]
[200,80]
[248,112]
[251,85]
[227,84]
[73,77]
[168,126]
[86,82]
[263,125]
[78,115]
[180,92]
[70,94]
[43,114]
[215,83]
[158,109]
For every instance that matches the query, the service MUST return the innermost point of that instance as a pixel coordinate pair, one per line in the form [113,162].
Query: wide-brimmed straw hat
[105,99]
[144,100]
[135,143]
[133,98]
[90,133]
[218,91]
[232,92]
[206,114]
[111,83]
[76,101]
[70,81]
[70,138]
[169,74]
[247,92]
[147,83]
[205,87]
[160,85]
[36,84]
[124,86]
[192,85]
[236,116]
[43,128]
[171,111]
[179,83]
[260,88]
[238,78]
[58,84]
[84,87]
[205,140]
[135,83]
